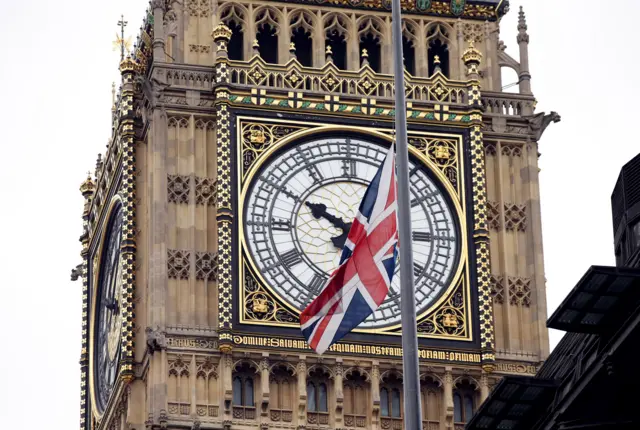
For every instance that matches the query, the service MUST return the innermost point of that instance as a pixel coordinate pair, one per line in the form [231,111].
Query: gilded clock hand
[319,210]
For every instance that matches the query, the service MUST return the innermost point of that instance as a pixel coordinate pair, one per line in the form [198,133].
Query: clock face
[108,316]
[299,209]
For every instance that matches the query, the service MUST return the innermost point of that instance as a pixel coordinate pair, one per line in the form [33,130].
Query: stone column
[386,59]
[264,383]
[338,370]
[484,387]
[158,28]
[318,40]
[461,72]
[353,46]
[301,372]
[284,38]
[448,397]
[375,395]
[249,33]
[489,54]
[422,51]
[226,373]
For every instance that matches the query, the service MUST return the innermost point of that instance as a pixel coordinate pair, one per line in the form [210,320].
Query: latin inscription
[192,343]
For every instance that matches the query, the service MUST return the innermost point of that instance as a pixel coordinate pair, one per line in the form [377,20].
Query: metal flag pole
[411,375]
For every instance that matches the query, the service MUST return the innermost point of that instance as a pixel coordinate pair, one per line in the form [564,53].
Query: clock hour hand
[319,210]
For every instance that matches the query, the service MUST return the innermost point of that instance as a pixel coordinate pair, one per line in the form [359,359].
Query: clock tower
[244,136]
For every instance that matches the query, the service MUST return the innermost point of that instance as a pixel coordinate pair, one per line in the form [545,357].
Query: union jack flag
[361,282]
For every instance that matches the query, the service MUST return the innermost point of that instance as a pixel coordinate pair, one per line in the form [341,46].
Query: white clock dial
[300,206]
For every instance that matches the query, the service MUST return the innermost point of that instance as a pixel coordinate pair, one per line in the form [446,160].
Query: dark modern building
[591,380]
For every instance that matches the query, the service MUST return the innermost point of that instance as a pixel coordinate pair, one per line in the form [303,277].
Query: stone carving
[473,32]
[178,263]
[519,291]
[206,266]
[206,191]
[199,8]
[156,339]
[493,215]
[539,122]
[497,289]
[201,49]
[178,188]
[515,216]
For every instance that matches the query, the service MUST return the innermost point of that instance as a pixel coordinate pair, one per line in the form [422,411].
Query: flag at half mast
[361,282]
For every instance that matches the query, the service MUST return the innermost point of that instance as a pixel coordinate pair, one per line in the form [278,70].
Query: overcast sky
[56,72]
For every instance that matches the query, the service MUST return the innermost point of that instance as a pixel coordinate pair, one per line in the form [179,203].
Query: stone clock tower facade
[244,135]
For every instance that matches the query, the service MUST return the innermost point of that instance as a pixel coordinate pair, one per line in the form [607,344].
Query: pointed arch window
[281,394]
[438,39]
[356,400]
[431,395]
[463,403]
[301,26]
[370,33]
[391,402]
[267,35]
[336,39]
[317,398]
[243,386]
[233,17]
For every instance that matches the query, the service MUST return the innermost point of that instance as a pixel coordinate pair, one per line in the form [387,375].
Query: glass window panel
[311,397]
[384,402]
[248,395]
[468,408]
[322,399]
[457,408]
[237,391]
[395,403]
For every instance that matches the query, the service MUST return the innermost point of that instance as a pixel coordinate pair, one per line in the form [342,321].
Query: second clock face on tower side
[299,208]
[108,314]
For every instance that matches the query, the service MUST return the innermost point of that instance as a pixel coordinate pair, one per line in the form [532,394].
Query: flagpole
[411,375]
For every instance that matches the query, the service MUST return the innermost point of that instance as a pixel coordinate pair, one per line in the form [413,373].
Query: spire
[524,77]
[523,36]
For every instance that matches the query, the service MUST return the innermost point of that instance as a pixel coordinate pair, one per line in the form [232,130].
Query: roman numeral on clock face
[291,258]
[280,224]
[316,284]
[421,236]
[417,269]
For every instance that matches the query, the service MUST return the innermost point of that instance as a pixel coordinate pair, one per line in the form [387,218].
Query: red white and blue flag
[361,282]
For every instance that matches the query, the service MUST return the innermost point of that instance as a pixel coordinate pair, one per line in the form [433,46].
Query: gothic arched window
[431,400]
[370,34]
[317,398]
[244,393]
[463,402]
[281,392]
[356,400]
[336,38]
[391,401]
[437,39]
[233,17]
[267,35]
[301,26]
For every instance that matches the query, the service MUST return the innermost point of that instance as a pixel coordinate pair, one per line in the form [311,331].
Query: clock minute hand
[319,210]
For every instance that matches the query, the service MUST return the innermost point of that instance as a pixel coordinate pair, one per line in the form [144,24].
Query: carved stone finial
[365,58]
[329,54]
[523,37]
[292,50]
[127,65]
[221,32]
[436,63]
[256,47]
[87,187]
[113,95]
[472,59]
[77,272]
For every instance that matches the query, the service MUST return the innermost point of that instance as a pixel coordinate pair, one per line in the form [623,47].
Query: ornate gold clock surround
[450,317]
